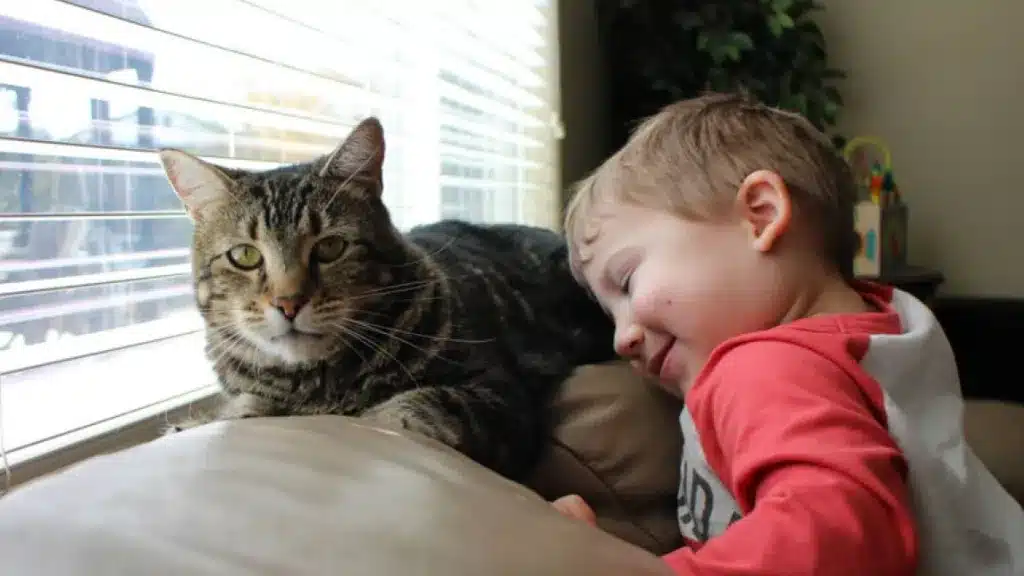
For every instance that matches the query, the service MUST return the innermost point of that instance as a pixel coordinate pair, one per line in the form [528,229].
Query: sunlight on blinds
[97,318]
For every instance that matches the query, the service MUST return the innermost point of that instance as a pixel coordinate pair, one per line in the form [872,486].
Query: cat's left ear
[359,157]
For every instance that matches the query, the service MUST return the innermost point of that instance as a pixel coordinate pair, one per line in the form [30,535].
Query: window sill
[111,435]
[55,414]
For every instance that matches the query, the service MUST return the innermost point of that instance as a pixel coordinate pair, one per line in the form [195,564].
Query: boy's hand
[576,508]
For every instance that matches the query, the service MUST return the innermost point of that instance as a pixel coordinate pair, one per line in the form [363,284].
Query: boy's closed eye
[620,267]
[624,283]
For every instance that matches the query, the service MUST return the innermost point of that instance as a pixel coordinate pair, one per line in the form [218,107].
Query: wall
[942,83]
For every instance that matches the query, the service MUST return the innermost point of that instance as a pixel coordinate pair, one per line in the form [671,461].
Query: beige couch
[328,495]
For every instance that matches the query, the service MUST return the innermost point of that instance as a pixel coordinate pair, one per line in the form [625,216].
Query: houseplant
[659,51]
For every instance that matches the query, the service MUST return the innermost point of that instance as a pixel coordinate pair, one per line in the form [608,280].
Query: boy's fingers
[575,507]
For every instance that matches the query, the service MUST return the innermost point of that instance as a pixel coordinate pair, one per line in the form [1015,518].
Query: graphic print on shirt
[706,508]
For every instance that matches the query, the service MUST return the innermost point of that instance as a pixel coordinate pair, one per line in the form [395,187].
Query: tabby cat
[314,303]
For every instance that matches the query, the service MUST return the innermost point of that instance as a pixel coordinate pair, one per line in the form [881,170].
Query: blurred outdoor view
[94,246]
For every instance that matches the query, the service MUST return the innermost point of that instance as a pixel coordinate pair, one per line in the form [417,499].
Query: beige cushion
[296,496]
[995,430]
[309,495]
[616,442]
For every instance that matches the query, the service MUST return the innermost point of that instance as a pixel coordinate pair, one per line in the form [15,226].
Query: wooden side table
[920,281]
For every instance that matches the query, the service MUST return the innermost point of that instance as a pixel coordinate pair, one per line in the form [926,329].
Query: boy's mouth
[656,363]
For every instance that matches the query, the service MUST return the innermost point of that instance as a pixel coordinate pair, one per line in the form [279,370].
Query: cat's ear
[360,156]
[201,186]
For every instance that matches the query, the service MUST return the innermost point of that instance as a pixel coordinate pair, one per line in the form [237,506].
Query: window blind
[97,318]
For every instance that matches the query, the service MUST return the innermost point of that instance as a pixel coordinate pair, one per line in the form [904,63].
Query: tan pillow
[995,430]
[296,496]
[616,442]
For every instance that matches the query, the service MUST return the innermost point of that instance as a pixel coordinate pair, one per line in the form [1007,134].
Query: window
[97,319]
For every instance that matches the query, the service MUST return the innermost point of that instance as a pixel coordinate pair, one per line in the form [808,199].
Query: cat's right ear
[201,186]
[360,155]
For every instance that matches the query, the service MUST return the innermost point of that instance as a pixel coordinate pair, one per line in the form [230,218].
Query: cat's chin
[296,347]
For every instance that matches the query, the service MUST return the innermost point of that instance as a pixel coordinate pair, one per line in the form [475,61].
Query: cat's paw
[395,414]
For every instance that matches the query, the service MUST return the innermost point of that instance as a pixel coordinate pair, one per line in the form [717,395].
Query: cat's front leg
[234,407]
[493,423]
[417,411]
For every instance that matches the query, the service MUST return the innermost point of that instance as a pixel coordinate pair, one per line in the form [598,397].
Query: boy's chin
[673,386]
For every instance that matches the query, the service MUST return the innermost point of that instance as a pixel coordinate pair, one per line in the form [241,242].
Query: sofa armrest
[297,496]
[995,431]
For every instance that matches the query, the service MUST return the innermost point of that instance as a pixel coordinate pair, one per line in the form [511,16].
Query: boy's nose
[628,340]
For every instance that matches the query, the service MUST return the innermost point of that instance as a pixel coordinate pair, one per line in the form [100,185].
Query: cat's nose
[289,305]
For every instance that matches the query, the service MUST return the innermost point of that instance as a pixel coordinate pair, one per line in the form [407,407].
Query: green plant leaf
[702,40]
[741,40]
[660,50]
[831,109]
[689,20]
[781,5]
[784,20]
[832,93]
[800,103]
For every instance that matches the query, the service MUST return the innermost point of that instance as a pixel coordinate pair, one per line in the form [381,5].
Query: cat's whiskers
[352,332]
[340,309]
[226,329]
[414,284]
[349,346]
[389,333]
[396,289]
[227,332]
[428,256]
[224,309]
[343,312]
[231,342]
[255,359]
[365,362]
[419,334]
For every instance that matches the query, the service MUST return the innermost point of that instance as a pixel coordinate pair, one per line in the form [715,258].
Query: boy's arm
[800,445]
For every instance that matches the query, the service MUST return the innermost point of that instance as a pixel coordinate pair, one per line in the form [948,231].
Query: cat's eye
[329,249]
[245,257]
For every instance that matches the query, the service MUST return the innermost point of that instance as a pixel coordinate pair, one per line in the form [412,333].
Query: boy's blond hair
[691,158]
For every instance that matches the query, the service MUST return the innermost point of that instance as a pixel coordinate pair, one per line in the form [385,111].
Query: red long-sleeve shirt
[805,446]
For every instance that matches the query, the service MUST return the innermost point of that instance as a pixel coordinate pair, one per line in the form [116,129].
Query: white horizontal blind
[96,313]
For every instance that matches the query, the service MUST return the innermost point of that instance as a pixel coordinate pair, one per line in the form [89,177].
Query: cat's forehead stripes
[253,228]
[284,199]
[314,222]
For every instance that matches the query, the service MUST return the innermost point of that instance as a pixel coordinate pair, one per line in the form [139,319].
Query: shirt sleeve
[808,458]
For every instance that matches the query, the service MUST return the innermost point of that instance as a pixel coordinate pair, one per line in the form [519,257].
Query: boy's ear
[765,207]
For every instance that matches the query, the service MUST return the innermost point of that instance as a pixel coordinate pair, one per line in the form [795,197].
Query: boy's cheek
[645,307]
[651,293]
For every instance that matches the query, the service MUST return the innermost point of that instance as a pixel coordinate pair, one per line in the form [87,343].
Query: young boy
[822,422]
